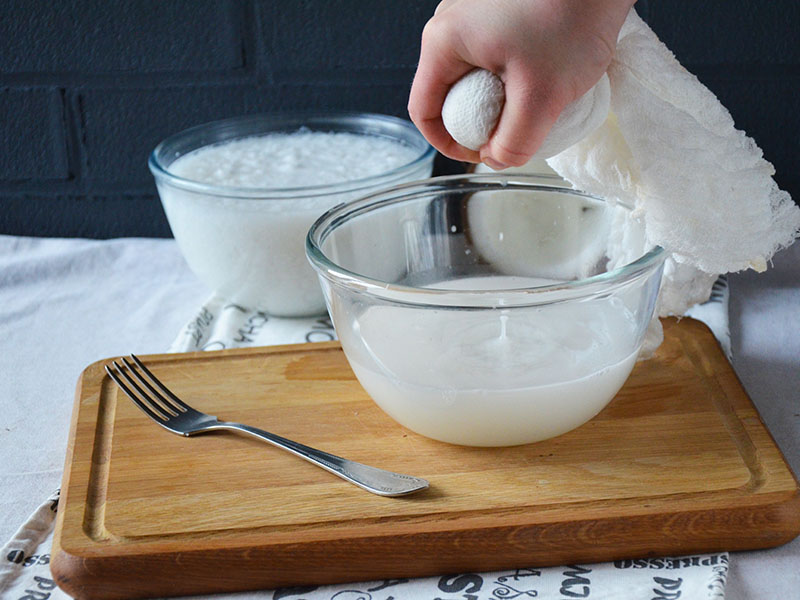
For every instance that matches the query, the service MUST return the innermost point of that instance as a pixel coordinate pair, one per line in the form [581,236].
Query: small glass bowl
[485,310]
[245,243]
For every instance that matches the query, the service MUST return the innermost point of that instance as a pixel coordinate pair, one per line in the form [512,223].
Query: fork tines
[149,394]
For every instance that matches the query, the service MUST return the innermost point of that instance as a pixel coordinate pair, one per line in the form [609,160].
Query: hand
[547,53]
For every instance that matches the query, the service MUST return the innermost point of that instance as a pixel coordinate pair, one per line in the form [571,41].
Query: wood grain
[678,463]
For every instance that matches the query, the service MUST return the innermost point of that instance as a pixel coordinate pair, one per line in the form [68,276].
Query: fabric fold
[700,187]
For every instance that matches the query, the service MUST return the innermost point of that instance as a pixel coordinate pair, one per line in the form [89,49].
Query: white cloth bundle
[473,106]
[700,187]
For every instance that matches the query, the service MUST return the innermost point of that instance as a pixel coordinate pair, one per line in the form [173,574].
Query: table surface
[66,303]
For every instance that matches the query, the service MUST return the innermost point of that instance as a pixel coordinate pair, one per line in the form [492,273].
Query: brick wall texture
[89,87]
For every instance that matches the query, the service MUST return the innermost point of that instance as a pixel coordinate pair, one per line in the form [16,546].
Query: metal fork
[169,411]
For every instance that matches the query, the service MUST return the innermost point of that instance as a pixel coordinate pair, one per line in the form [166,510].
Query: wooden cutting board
[678,463]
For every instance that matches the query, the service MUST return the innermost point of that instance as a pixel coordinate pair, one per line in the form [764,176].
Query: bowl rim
[292,121]
[480,299]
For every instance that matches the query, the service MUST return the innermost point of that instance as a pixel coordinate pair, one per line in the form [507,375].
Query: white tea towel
[220,324]
[714,313]
[25,559]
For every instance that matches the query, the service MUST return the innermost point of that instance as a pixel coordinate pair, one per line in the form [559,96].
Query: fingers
[439,68]
[451,48]
[532,106]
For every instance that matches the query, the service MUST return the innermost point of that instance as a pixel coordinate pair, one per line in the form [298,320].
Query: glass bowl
[484,310]
[246,243]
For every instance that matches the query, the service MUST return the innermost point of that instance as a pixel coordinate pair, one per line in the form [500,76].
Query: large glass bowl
[245,243]
[485,310]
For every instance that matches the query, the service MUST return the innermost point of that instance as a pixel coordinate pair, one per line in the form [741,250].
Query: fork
[169,411]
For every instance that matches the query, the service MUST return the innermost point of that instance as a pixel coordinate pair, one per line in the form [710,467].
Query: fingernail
[490,162]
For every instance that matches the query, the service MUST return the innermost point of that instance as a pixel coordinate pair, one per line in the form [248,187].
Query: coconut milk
[493,377]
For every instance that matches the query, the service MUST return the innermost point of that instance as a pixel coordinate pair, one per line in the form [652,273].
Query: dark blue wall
[88,87]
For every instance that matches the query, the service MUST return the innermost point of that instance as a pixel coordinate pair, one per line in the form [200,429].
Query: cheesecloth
[700,188]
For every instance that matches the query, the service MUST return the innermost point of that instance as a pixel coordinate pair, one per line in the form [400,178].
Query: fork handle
[372,479]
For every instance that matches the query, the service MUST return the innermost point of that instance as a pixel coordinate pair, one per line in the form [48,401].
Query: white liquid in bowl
[493,377]
[251,250]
